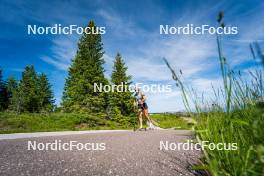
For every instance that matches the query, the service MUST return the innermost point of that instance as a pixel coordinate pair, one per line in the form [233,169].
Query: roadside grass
[243,127]
[29,122]
[172,121]
[237,117]
[234,114]
[35,122]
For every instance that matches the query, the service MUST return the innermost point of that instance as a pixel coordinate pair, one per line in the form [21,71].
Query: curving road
[126,153]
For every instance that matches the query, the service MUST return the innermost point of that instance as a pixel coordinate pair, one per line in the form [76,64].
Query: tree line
[33,92]
[30,94]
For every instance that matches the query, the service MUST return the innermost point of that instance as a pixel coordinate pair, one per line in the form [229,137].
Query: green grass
[172,121]
[244,127]
[29,122]
[12,123]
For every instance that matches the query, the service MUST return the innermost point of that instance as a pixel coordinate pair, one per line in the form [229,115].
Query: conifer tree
[86,70]
[121,102]
[45,94]
[29,89]
[17,100]
[11,88]
[31,94]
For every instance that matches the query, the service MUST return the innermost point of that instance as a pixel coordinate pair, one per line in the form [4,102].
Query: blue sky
[132,28]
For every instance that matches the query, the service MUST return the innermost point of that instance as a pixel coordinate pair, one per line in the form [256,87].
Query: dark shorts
[143,106]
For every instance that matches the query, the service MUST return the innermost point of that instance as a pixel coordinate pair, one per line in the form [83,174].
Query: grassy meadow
[172,121]
[35,122]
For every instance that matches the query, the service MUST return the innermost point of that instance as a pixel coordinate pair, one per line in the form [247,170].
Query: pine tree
[17,100]
[11,88]
[45,94]
[85,70]
[32,94]
[28,90]
[121,102]
[3,93]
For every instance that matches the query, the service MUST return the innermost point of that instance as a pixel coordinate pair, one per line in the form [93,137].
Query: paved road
[126,153]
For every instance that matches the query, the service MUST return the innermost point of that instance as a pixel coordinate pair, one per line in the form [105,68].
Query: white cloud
[202,84]
[145,70]
[53,61]
[118,26]
[191,55]
[63,50]
[165,102]
[108,59]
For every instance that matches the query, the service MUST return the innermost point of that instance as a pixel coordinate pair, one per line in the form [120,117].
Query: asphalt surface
[126,153]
